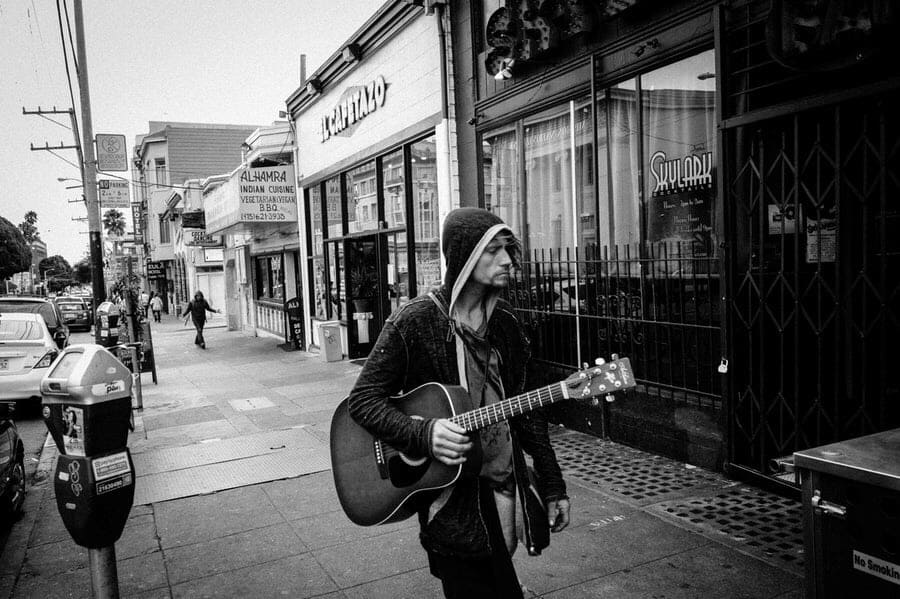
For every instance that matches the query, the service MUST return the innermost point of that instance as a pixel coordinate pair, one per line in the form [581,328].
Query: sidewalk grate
[626,471]
[763,523]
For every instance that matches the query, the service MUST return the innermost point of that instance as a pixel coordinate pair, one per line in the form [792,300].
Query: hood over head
[466,233]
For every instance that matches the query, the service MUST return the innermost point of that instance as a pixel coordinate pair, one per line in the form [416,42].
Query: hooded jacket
[418,345]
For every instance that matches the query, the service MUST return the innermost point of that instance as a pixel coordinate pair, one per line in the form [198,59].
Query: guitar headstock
[603,378]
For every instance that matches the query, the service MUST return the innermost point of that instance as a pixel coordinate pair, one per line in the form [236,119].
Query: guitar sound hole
[402,474]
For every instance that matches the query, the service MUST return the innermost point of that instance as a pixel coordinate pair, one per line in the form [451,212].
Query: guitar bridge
[380,460]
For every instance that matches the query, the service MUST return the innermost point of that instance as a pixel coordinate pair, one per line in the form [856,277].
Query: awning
[254,200]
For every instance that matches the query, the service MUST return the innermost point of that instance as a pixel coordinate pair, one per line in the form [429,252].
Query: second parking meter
[87,409]
[107,323]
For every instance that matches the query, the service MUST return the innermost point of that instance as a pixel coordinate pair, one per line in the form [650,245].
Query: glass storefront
[650,182]
[360,261]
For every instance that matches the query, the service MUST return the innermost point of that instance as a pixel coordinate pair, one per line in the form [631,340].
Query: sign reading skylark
[114,194]
[112,154]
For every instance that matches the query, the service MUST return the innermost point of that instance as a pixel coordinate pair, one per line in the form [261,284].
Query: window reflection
[333,207]
[362,199]
[394,189]
[425,215]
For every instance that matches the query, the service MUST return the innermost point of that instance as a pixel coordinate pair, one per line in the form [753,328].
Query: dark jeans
[198,340]
[489,578]
[156,315]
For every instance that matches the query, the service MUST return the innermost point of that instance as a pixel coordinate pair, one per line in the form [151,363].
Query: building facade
[708,188]
[164,158]
[377,166]
[255,211]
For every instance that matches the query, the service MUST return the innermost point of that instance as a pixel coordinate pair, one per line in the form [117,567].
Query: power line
[62,38]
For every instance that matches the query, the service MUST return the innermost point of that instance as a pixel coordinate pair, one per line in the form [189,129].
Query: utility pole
[89,171]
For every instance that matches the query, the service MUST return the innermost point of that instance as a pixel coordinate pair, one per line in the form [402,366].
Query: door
[212,284]
[363,308]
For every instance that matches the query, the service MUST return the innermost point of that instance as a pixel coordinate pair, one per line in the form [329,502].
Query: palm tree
[29,228]
[114,223]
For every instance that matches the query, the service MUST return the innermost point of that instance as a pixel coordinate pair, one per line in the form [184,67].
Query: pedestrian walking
[145,302]
[197,309]
[156,306]
[464,334]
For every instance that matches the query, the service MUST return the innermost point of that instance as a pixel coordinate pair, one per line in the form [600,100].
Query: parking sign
[112,154]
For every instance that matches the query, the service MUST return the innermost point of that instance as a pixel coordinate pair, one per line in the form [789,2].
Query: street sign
[114,194]
[155,270]
[112,154]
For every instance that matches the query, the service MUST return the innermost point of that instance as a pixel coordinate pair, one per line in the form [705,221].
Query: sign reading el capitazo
[355,104]
[267,194]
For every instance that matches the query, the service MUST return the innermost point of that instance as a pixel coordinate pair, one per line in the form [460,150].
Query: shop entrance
[375,286]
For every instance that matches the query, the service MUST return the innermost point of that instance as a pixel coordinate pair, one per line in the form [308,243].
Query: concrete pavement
[266,522]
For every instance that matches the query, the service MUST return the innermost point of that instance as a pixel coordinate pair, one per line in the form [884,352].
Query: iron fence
[658,304]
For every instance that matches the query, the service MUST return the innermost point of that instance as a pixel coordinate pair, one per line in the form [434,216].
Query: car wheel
[15,491]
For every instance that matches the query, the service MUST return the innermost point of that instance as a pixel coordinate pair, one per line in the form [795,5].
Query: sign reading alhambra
[253,195]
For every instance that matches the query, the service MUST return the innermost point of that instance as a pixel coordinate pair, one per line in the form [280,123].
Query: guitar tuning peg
[595,401]
[599,361]
[614,357]
[585,365]
[610,398]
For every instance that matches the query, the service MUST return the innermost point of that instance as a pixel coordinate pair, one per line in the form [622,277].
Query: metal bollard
[136,376]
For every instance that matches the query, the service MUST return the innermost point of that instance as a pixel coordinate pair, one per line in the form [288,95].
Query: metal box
[851,517]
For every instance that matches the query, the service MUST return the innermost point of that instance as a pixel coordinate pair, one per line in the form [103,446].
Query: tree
[29,227]
[82,271]
[114,222]
[15,255]
[56,271]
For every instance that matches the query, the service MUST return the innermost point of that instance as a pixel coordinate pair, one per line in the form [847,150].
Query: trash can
[330,342]
[851,516]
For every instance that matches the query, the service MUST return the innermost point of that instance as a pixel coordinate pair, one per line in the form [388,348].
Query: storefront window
[678,104]
[269,283]
[362,199]
[335,256]
[621,173]
[574,197]
[317,254]
[397,270]
[425,215]
[394,189]
[333,207]
[501,177]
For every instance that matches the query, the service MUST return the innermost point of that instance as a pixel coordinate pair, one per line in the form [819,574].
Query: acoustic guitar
[375,482]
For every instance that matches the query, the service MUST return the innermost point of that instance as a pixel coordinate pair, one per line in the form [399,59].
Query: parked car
[12,466]
[39,305]
[27,350]
[75,312]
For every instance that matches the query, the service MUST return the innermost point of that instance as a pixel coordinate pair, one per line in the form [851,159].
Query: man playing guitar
[464,334]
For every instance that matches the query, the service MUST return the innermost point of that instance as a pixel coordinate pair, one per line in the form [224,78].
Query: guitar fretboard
[514,406]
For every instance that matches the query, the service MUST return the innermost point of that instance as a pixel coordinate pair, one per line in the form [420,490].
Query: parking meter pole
[136,376]
[104,577]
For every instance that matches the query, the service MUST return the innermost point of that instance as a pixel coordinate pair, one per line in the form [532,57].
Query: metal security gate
[812,207]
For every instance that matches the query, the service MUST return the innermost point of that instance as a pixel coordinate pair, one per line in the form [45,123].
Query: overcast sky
[228,61]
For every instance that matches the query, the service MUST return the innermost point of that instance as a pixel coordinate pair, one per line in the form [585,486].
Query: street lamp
[63,179]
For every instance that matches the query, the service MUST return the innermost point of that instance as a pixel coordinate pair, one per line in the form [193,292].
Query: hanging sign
[681,199]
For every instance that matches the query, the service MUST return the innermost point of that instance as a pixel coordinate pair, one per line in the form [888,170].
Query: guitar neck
[508,408]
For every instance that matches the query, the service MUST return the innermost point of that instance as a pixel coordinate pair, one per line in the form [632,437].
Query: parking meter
[87,409]
[107,323]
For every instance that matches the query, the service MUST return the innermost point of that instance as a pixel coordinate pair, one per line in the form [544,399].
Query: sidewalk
[234,498]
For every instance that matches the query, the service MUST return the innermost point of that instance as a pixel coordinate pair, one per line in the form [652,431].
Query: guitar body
[374,482]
